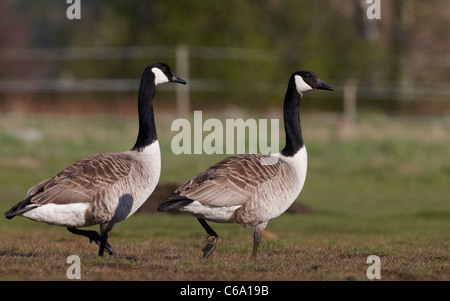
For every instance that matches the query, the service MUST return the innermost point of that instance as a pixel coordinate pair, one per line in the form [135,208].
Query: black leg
[94,237]
[211,240]
[103,241]
[208,229]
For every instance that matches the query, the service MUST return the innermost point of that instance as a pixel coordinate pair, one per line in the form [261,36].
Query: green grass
[382,189]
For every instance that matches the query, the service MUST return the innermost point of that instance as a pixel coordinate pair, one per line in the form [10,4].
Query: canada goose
[251,189]
[104,188]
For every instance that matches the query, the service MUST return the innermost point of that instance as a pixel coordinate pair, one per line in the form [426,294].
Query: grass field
[379,189]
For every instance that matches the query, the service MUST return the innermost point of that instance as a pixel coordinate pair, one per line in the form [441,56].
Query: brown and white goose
[104,188]
[251,189]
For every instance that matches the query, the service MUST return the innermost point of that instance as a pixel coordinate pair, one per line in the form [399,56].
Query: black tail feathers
[20,208]
[169,205]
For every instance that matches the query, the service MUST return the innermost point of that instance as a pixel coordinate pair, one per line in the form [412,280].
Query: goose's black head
[308,81]
[163,74]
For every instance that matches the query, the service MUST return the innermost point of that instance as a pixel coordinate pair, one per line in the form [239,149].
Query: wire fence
[351,90]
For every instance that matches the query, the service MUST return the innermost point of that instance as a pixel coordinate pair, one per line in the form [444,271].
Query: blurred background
[239,52]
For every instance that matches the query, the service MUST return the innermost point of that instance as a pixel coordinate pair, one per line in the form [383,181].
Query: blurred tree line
[334,38]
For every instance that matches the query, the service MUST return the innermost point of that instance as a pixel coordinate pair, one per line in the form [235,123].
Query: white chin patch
[160,77]
[302,87]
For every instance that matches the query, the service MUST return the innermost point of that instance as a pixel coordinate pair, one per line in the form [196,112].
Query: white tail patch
[68,215]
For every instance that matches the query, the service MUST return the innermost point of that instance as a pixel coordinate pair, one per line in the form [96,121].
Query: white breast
[279,201]
[143,186]
[300,164]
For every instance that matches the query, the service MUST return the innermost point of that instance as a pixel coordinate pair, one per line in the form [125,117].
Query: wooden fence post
[349,106]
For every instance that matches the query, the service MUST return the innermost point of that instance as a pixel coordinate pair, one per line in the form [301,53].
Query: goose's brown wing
[81,181]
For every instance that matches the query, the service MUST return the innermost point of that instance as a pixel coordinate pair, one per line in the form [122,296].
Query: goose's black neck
[292,127]
[147,128]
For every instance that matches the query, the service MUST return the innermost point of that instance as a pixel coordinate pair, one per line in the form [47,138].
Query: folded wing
[230,182]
